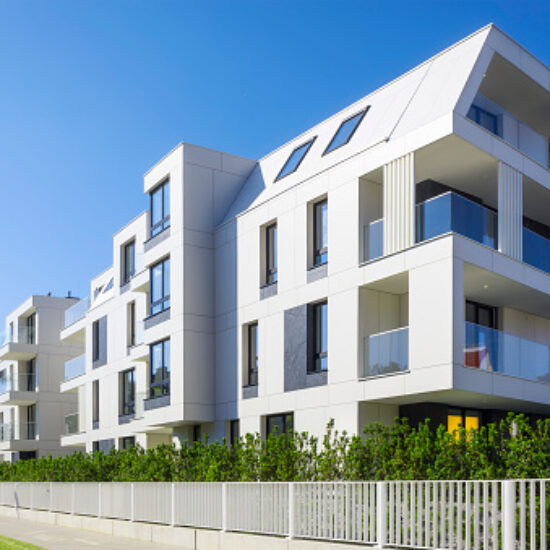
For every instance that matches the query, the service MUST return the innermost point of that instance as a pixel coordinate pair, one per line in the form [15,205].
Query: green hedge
[511,449]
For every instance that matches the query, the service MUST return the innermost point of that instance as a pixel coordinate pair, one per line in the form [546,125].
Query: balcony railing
[536,250]
[451,212]
[496,351]
[15,432]
[20,382]
[72,424]
[24,335]
[77,311]
[386,352]
[75,367]
[373,240]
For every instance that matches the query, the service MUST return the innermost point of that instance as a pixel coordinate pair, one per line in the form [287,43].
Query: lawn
[12,544]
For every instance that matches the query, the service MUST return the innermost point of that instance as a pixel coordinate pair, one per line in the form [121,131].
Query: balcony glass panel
[76,312]
[496,351]
[536,250]
[386,352]
[20,382]
[15,432]
[373,239]
[451,212]
[75,367]
[72,424]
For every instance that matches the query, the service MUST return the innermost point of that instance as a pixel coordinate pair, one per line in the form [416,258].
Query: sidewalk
[54,537]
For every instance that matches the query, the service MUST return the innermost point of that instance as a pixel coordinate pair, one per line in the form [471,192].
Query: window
[30,383]
[320,232]
[97,291]
[31,422]
[127,442]
[252,356]
[31,329]
[233,431]
[481,314]
[160,208]
[160,287]
[319,336]
[345,131]
[484,118]
[95,404]
[129,262]
[277,424]
[95,341]
[127,392]
[159,382]
[295,159]
[196,435]
[95,446]
[131,324]
[460,418]
[109,285]
[271,254]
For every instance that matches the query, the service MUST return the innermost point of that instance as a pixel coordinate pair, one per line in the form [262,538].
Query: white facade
[408,240]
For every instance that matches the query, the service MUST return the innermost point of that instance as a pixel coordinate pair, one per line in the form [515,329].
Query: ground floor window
[462,418]
[127,442]
[279,424]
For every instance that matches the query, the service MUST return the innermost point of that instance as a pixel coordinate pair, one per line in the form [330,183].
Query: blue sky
[93,93]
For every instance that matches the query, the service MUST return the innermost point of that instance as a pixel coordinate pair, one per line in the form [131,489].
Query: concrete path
[54,537]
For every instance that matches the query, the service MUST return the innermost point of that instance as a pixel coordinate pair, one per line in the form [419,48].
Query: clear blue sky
[93,93]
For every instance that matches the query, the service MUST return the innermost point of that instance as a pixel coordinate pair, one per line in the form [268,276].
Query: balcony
[18,437]
[19,345]
[373,240]
[386,352]
[138,351]
[72,424]
[496,351]
[75,367]
[18,390]
[536,250]
[76,312]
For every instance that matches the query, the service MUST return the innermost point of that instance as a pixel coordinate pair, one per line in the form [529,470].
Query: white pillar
[399,204]
[291,511]
[508,515]
[381,513]
[510,211]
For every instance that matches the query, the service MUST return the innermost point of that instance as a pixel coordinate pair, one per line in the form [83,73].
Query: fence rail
[467,515]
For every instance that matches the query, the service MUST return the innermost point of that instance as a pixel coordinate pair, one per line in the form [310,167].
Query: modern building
[393,260]
[33,412]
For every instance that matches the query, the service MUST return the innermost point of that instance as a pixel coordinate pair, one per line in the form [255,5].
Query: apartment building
[393,260]
[32,360]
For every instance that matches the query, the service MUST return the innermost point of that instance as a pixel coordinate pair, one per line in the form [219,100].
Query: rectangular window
[131,324]
[320,232]
[481,314]
[129,262]
[160,208]
[460,418]
[252,358]
[319,336]
[95,341]
[278,424]
[345,132]
[30,382]
[196,433]
[31,329]
[95,403]
[159,380]
[295,159]
[31,422]
[127,442]
[233,431]
[160,287]
[271,253]
[127,392]
[95,446]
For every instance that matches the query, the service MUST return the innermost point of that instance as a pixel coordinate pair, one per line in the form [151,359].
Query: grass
[12,544]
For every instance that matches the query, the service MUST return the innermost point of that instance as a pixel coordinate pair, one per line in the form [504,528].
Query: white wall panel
[510,211]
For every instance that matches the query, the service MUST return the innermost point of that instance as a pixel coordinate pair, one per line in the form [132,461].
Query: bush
[510,449]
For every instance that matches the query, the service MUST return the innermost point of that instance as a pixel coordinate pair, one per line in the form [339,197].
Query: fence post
[132,509]
[99,499]
[224,506]
[291,510]
[508,515]
[173,504]
[381,513]
[51,496]
[72,498]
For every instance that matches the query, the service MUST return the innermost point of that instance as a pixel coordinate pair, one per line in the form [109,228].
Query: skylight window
[295,159]
[346,131]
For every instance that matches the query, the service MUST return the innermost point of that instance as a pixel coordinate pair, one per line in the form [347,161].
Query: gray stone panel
[316,273]
[250,391]
[153,241]
[295,356]
[156,402]
[268,291]
[156,319]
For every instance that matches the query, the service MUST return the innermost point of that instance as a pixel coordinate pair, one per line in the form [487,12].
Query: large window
[271,254]
[127,392]
[95,404]
[345,131]
[160,287]
[160,208]
[129,262]
[295,159]
[319,325]
[159,381]
[320,232]
[252,355]
[277,424]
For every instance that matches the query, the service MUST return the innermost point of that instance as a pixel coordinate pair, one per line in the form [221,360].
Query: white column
[399,204]
[510,211]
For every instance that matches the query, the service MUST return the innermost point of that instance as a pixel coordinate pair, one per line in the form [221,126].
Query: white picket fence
[469,515]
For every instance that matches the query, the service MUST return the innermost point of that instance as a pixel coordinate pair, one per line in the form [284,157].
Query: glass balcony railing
[21,382]
[77,311]
[386,352]
[72,424]
[24,335]
[373,240]
[451,212]
[496,351]
[536,250]
[75,367]
[24,430]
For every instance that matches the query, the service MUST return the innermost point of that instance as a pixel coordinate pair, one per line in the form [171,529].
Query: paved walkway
[54,537]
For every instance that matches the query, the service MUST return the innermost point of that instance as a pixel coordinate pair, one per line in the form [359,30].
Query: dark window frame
[164,300]
[252,358]
[318,250]
[306,146]
[285,422]
[95,340]
[480,307]
[164,383]
[234,431]
[127,407]
[128,271]
[318,355]
[361,114]
[164,222]
[127,442]
[271,260]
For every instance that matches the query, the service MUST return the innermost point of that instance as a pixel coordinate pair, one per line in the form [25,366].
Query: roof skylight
[295,159]
[345,131]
